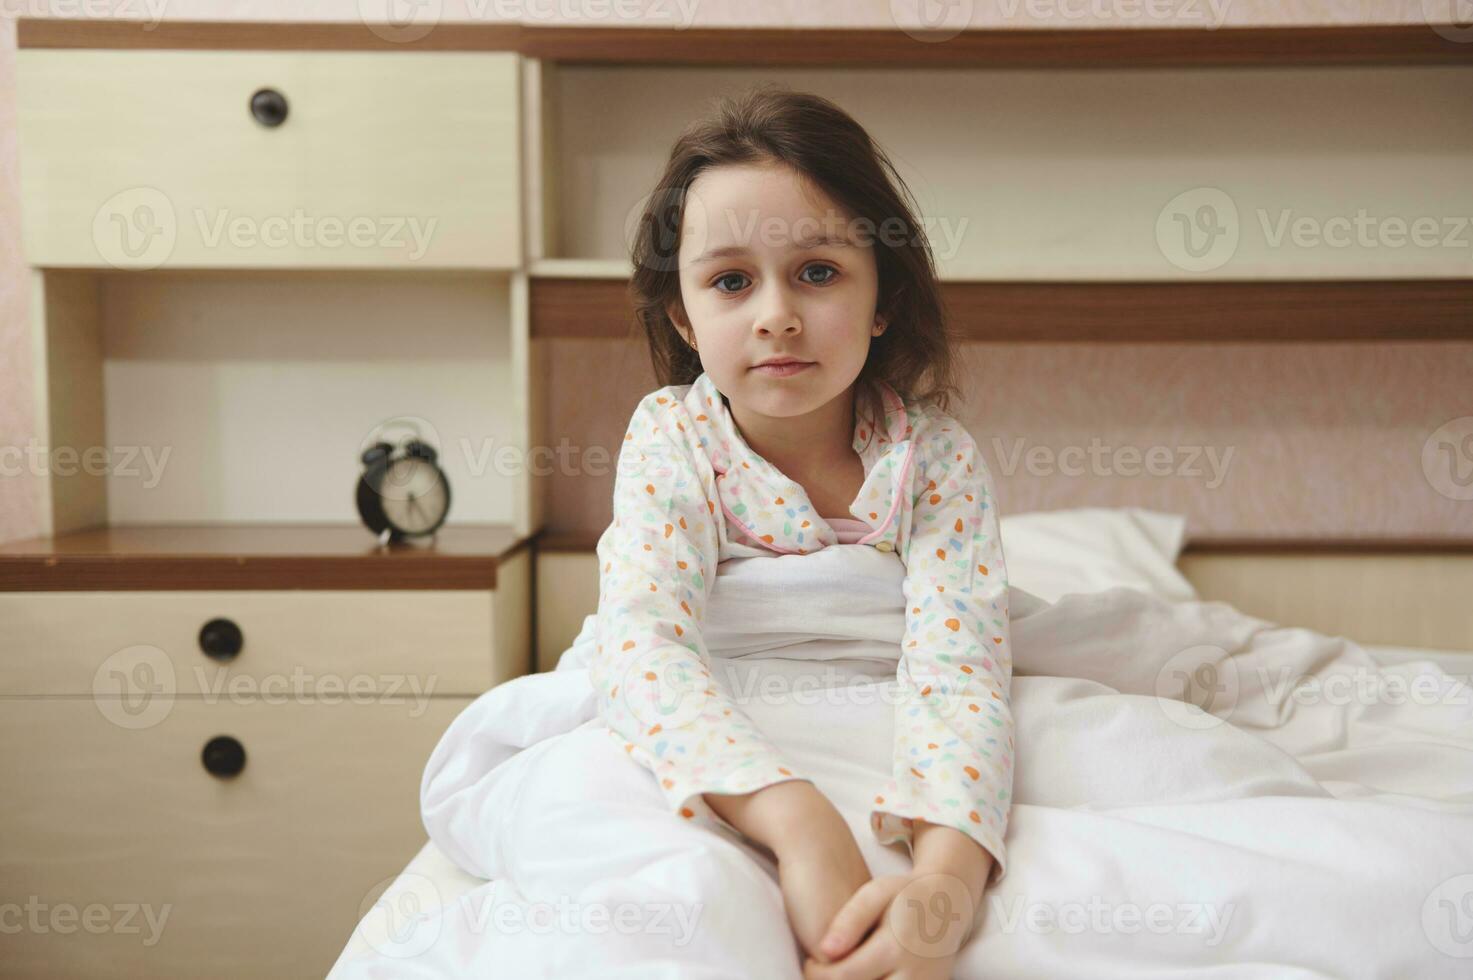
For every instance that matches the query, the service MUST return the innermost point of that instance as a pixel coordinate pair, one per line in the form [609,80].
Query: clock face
[414,496]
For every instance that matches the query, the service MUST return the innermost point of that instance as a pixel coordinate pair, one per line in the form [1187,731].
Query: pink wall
[1246,440]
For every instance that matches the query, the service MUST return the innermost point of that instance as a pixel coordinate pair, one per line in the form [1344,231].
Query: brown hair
[825,145]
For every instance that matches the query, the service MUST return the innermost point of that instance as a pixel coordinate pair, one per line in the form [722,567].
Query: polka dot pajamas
[688,487]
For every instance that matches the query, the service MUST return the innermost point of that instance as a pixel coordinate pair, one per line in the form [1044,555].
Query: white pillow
[1090,549]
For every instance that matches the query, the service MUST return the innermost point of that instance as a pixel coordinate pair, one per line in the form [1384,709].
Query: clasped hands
[855,927]
[898,927]
[852,926]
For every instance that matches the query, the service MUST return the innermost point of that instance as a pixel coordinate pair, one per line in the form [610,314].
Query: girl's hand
[818,878]
[819,864]
[906,927]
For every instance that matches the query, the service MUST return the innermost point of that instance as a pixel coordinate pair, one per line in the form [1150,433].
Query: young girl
[794,318]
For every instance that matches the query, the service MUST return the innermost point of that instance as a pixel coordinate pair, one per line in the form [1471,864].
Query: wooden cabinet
[270,159]
[443,639]
[128,858]
[218,691]
[218,782]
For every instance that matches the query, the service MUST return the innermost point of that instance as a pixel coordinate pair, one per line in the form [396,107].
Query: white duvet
[1198,794]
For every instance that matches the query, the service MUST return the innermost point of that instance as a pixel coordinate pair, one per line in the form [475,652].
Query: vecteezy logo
[135,229]
[1447,917]
[1198,229]
[134,687]
[931,20]
[1198,687]
[670,221]
[397,917]
[1452,19]
[938,693]
[1447,459]
[932,915]
[403,482]
[658,690]
[400,21]
[933,926]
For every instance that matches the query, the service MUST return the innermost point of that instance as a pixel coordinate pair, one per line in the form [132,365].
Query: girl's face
[771,267]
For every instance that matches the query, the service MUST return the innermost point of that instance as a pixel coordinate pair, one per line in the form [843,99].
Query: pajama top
[688,487]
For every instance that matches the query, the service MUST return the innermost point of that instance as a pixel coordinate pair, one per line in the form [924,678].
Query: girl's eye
[729,276]
[826,279]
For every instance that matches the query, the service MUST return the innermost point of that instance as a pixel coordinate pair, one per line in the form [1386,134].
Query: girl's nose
[777,314]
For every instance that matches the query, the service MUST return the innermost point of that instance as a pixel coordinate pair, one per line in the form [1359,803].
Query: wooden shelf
[1335,546]
[1042,311]
[1196,47]
[251,556]
[1001,47]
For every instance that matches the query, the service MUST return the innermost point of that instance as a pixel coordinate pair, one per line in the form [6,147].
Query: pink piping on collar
[894,403]
[903,488]
[749,530]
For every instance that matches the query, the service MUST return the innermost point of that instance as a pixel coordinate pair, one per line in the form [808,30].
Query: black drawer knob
[269,107]
[223,756]
[221,640]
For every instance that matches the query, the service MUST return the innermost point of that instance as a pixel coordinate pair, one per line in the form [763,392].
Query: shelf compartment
[1024,175]
[246,396]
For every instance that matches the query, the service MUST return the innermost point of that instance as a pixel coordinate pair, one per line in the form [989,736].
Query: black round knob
[269,107]
[221,640]
[223,756]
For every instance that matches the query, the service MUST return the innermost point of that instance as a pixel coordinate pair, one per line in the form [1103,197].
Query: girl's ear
[677,317]
[881,324]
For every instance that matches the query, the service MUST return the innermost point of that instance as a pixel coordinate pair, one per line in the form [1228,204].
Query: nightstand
[215,735]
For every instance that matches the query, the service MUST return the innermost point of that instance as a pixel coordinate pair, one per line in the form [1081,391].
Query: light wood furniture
[1403,594]
[215,735]
[358,174]
[218,691]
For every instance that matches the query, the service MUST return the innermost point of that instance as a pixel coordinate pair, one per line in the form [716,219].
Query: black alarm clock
[402,492]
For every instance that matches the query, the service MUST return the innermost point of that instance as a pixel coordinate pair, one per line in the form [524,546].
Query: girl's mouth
[784,370]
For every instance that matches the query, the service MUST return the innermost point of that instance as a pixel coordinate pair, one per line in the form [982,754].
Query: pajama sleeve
[953,755]
[650,669]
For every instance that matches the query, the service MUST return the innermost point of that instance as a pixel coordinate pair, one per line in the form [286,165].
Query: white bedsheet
[1323,833]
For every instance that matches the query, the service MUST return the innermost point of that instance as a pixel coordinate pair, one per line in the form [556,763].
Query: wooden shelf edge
[1335,546]
[253,557]
[1039,311]
[1003,47]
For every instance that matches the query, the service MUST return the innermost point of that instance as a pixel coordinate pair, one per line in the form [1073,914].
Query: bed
[1374,784]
